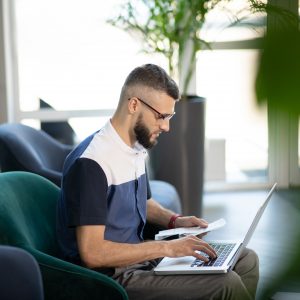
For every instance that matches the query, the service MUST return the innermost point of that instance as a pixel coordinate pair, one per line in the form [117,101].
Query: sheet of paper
[190,230]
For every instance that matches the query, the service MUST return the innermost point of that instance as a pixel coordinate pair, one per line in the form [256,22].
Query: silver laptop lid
[258,216]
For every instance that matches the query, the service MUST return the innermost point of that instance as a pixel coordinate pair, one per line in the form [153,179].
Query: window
[236,128]
[71,58]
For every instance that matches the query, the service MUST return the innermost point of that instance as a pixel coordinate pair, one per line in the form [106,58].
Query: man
[106,200]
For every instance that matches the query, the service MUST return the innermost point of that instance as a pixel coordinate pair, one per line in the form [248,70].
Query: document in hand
[182,231]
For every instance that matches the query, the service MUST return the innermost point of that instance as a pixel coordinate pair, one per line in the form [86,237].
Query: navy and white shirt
[104,183]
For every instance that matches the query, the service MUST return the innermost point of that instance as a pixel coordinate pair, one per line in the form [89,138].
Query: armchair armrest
[64,280]
[51,175]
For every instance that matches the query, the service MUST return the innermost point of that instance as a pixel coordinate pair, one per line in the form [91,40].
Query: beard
[142,134]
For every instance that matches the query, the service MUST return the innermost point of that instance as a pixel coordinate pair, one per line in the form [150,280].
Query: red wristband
[171,224]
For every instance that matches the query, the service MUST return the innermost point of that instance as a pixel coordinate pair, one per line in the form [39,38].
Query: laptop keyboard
[222,250]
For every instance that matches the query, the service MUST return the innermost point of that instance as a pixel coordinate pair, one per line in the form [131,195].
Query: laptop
[228,253]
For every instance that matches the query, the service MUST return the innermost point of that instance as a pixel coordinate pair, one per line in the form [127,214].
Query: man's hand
[190,221]
[190,246]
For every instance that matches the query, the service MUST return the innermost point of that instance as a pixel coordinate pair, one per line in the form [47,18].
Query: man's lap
[140,282]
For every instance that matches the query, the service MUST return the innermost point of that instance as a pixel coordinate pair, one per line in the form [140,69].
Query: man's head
[149,96]
[151,76]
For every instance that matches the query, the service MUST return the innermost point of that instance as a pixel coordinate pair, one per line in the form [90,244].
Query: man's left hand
[190,221]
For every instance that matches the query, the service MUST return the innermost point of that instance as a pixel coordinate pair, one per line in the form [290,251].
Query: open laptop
[228,253]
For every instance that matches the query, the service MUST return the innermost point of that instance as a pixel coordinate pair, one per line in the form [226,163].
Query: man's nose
[165,125]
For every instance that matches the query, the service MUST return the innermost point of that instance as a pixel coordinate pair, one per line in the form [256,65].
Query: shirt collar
[137,149]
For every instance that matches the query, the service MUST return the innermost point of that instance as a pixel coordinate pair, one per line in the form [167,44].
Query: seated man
[106,200]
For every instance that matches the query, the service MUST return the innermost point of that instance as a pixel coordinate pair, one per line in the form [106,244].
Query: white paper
[190,230]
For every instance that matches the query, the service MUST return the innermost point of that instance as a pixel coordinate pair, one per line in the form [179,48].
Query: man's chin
[150,144]
[154,141]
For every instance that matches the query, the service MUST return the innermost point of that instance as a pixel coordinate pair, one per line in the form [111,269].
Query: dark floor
[275,239]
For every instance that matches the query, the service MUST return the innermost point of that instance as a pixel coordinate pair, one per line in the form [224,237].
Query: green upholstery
[27,220]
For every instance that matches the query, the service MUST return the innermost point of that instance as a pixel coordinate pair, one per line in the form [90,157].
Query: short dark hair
[155,77]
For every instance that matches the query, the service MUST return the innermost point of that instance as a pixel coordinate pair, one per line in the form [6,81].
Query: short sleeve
[85,190]
[149,194]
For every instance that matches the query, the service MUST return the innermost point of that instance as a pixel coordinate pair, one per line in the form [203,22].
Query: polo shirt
[104,183]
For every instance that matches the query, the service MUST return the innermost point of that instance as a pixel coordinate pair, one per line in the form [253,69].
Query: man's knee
[248,261]
[230,286]
[250,255]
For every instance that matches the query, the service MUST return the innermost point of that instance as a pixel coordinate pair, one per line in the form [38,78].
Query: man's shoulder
[84,157]
[84,170]
[92,147]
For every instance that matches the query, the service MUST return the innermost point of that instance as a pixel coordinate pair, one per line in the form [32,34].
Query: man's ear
[132,105]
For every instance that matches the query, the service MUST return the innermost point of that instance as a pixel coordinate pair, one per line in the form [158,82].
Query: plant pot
[178,157]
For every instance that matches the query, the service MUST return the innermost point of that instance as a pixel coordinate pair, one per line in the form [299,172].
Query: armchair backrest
[23,148]
[28,211]
[20,275]
[28,220]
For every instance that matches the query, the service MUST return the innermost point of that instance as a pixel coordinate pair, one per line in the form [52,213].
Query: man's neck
[123,131]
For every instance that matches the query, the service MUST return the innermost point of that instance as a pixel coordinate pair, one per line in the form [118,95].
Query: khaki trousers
[141,283]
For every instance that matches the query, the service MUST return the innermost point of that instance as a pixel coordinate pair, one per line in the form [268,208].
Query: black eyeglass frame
[160,115]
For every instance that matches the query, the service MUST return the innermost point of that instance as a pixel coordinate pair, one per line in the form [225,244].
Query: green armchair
[27,220]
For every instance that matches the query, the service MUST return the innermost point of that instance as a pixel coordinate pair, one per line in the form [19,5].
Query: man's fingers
[206,248]
[201,222]
[205,223]
[191,245]
[191,221]
[201,257]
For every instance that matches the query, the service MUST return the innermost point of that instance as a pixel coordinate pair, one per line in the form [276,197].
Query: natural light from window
[72,59]
[235,127]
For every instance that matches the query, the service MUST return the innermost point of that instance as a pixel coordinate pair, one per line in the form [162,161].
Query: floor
[275,239]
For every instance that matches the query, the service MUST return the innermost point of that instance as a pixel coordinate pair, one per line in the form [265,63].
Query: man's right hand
[189,246]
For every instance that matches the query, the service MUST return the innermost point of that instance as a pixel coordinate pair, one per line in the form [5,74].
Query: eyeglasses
[160,115]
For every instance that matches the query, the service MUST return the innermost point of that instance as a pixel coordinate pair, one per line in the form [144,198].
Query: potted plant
[173,28]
